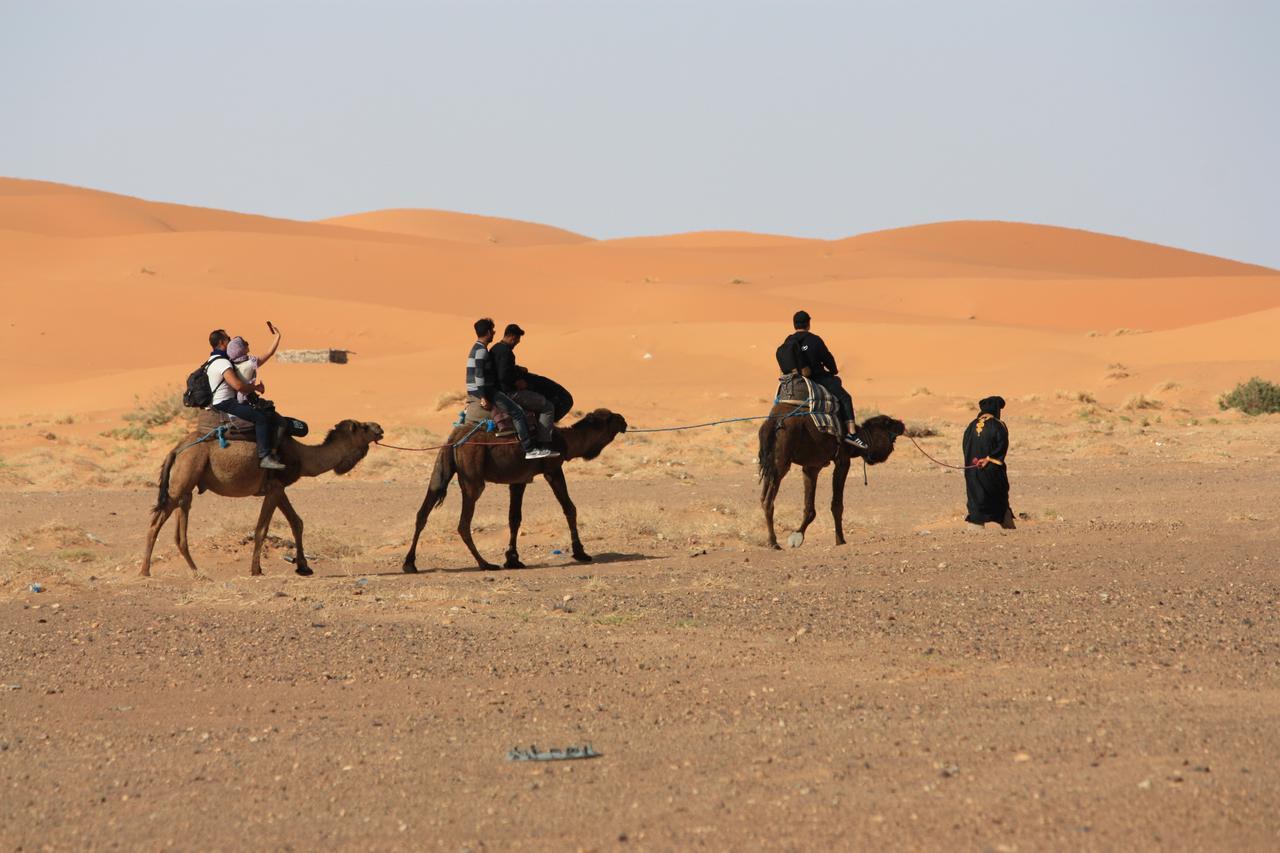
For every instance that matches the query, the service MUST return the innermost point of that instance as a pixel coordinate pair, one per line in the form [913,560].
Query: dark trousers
[836,387]
[262,422]
[512,408]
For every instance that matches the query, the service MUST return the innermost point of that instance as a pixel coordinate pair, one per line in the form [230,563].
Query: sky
[1154,120]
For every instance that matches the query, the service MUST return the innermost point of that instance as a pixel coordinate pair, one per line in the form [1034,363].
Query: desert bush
[1255,397]
[158,412]
[448,399]
[1140,401]
[1076,397]
[920,431]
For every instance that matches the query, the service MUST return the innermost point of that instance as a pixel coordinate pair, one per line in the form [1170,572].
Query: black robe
[988,488]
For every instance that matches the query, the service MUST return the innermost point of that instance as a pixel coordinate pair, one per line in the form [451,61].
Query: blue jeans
[262,422]
[512,408]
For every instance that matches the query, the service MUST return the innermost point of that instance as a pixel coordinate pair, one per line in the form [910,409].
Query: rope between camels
[939,462]
[792,414]
[457,443]
[795,413]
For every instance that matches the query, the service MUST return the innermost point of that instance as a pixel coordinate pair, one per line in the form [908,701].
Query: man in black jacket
[509,378]
[806,353]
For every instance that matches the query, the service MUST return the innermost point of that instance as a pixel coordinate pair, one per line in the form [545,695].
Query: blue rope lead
[216,431]
[792,414]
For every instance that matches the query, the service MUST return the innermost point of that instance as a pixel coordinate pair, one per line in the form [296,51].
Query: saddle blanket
[501,421]
[824,411]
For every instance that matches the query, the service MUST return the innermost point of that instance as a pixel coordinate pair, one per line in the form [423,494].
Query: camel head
[596,430]
[880,432]
[354,437]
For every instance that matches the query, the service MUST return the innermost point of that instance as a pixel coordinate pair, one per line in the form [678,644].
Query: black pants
[836,387]
[512,408]
[262,421]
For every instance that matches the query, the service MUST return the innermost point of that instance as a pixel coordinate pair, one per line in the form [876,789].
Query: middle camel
[483,460]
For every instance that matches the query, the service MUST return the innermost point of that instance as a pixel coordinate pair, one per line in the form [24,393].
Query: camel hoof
[409,569]
[775,546]
[795,540]
[305,571]
[582,556]
[514,563]
[487,566]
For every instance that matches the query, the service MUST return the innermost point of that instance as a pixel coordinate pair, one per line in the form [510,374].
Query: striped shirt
[477,382]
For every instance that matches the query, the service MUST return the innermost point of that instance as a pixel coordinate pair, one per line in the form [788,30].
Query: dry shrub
[1140,401]
[448,399]
[920,431]
[1255,397]
[1076,397]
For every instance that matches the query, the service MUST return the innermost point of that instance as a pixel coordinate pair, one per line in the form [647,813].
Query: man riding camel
[511,380]
[225,382]
[484,384]
[805,353]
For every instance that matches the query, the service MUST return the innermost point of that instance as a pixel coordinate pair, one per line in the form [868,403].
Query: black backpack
[788,355]
[198,394]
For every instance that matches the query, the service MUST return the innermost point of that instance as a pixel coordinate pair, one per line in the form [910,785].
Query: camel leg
[471,491]
[433,499]
[555,478]
[838,477]
[158,517]
[295,524]
[767,499]
[269,504]
[514,516]
[796,539]
[180,534]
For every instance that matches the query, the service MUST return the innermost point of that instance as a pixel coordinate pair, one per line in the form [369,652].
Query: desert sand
[1103,677]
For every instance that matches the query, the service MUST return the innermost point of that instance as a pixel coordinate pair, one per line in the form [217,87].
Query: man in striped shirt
[482,385]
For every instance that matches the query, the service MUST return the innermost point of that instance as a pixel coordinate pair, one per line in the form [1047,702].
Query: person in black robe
[986,441]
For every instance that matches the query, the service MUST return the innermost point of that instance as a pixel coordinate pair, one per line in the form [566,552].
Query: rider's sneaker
[539,453]
[271,462]
[856,441]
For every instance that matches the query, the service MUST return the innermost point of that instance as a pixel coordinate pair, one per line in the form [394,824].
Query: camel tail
[163,498]
[768,441]
[441,476]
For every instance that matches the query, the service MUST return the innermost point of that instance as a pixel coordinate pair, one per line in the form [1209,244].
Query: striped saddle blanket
[824,411]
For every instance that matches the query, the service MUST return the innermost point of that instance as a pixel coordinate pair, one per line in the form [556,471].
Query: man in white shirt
[225,382]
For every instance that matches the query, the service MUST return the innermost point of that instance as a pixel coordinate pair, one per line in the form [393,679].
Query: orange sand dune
[459,227]
[110,297]
[1049,250]
[711,240]
[57,210]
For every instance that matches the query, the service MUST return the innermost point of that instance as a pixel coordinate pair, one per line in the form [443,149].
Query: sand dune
[110,297]
[459,227]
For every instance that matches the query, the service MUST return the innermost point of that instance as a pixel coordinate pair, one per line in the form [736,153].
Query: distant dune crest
[458,227]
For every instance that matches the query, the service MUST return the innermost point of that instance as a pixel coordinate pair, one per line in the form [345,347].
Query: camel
[786,440]
[482,460]
[233,472]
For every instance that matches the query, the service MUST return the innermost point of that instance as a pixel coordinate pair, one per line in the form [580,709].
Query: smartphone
[271,328]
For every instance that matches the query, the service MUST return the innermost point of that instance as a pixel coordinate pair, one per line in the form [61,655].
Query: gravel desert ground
[1107,676]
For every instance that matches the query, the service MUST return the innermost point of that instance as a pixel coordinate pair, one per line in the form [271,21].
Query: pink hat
[237,350]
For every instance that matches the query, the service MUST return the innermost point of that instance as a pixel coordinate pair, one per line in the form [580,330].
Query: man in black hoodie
[805,353]
[511,383]
[986,441]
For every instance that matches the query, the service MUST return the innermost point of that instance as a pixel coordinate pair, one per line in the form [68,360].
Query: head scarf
[989,405]
[237,350]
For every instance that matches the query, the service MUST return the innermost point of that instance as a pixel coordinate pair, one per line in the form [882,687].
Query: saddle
[823,409]
[501,421]
[234,429]
[238,429]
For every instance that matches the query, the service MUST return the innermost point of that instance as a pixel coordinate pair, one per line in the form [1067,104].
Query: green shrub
[156,413]
[1255,397]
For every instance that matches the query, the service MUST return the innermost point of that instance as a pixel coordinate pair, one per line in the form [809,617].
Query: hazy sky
[1157,120]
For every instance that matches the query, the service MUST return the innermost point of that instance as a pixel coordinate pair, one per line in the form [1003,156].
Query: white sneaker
[540,453]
